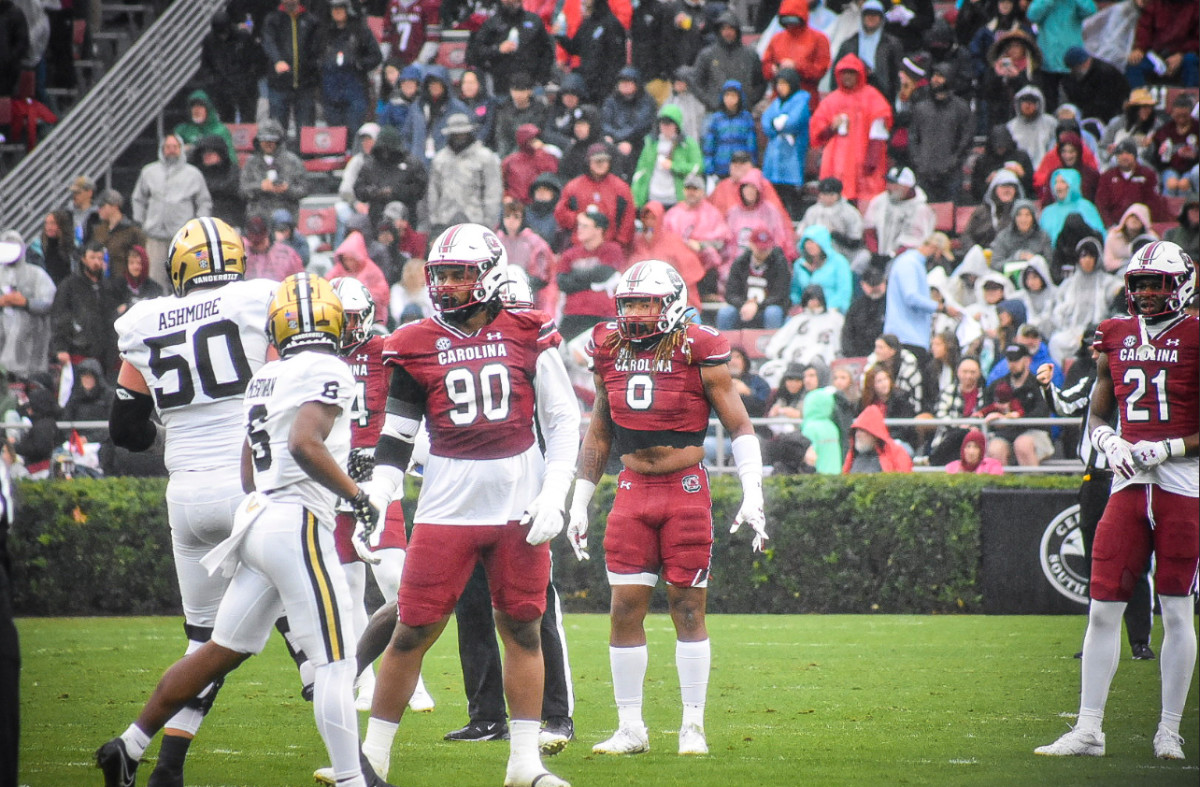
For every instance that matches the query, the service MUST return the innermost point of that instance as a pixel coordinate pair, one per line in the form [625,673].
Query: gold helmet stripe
[304,303]
[212,239]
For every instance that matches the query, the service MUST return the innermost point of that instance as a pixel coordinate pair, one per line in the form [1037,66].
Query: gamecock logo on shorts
[691,483]
[1063,557]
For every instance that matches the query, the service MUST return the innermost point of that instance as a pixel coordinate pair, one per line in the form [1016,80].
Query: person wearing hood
[265,257]
[169,193]
[37,444]
[683,95]
[1068,200]
[881,52]
[599,43]
[1187,233]
[1128,182]
[347,54]
[529,252]
[464,179]
[726,194]
[54,249]
[820,428]
[90,399]
[852,124]
[348,204]
[1033,131]
[627,118]
[273,177]
[1098,88]
[1059,28]
[667,158]
[572,94]
[203,121]
[727,59]
[512,41]
[222,176]
[864,318]
[585,131]
[539,209]
[995,212]
[940,135]
[785,123]
[134,284]
[821,263]
[1069,152]
[972,458]
[872,449]
[598,187]
[231,63]
[25,309]
[756,289]
[731,129]
[655,242]
[351,259]
[991,289]
[283,230]
[1000,152]
[390,173]
[842,219]
[799,47]
[481,105]
[1039,293]
[519,107]
[1133,226]
[399,92]
[813,333]
[1083,299]
[1075,229]
[1022,238]
[291,42]
[424,131]
[900,214]
[703,229]
[529,161]
[753,212]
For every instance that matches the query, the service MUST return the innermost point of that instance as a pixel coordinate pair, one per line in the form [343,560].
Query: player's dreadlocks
[666,345]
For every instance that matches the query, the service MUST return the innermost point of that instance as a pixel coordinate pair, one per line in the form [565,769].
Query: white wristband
[747,456]
[584,489]
[1100,433]
[387,479]
[1175,446]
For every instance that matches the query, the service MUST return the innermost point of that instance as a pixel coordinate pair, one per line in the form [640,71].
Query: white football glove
[544,515]
[578,526]
[1148,454]
[751,513]
[370,508]
[779,122]
[1119,453]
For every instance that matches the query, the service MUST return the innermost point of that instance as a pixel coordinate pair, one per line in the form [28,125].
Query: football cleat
[626,740]
[537,776]
[305,312]
[165,777]
[421,700]
[1142,652]
[373,779]
[1168,745]
[205,252]
[325,776]
[692,740]
[1076,743]
[555,734]
[120,770]
[479,731]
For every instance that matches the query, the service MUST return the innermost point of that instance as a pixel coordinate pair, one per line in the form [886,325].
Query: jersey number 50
[234,364]
[489,395]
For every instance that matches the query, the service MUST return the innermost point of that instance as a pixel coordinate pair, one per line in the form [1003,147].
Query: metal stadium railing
[99,128]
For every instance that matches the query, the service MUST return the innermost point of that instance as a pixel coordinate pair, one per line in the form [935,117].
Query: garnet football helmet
[205,251]
[655,280]
[480,257]
[358,307]
[305,312]
[1172,268]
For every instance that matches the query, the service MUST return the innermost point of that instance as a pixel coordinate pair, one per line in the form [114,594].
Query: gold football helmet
[305,312]
[205,252]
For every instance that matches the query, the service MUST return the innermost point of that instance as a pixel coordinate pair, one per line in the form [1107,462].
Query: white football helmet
[359,308]
[1175,270]
[478,253]
[655,280]
[515,292]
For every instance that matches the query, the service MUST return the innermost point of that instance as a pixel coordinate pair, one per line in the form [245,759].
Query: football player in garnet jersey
[476,372]
[657,376]
[1149,372]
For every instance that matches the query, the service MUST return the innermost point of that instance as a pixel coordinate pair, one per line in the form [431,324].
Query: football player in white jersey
[188,359]
[281,554]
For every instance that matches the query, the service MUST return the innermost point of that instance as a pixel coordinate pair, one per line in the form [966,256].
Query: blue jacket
[1000,369]
[1060,27]
[628,120]
[787,148]
[834,276]
[727,134]
[909,307]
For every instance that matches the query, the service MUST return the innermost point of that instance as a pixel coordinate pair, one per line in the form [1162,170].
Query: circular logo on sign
[1063,557]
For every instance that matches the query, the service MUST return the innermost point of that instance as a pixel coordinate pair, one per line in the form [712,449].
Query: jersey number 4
[224,338]
[1142,386]
[489,395]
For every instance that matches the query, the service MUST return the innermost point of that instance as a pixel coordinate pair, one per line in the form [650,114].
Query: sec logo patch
[691,483]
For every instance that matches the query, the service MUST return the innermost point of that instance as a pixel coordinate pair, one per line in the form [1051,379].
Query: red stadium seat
[321,222]
[962,216]
[944,211]
[754,341]
[323,148]
[375,23]
[243,136]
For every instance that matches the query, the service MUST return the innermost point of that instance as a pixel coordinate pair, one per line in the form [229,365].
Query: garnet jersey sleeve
[478,389]
[196,354]
[655,401]
[273,398]
[371,379]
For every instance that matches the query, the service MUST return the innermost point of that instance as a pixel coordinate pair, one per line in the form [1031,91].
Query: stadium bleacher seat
[962,216]
[375,23]
[321,222]
[1174,205]
[944,213]
[243,139]
[323,148]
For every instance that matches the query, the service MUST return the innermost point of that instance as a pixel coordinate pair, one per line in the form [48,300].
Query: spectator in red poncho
[725,195]
[1068,153]
[872,449]
[800,47]
[858,157]
[752,212]
[656,242]
[600,188]
[521,167]
[351,259]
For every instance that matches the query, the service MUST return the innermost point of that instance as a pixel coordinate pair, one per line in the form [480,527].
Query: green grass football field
[793,700]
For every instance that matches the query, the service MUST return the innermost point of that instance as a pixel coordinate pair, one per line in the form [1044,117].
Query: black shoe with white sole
[480,731]
[119,768]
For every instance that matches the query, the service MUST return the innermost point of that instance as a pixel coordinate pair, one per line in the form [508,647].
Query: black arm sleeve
[129,422]
[406,398]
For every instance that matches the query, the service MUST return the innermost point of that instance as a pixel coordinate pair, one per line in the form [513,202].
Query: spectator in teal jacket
[821,263]
[667,158]
[819,427]
[1064,184]
[1059,27]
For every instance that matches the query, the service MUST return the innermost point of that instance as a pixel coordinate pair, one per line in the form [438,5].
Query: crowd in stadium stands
[897,209]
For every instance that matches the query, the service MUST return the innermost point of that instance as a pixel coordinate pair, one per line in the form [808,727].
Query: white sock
[136,741]
[1177,659]
[1101,654]
[333,707]
[693,661]
[628,674]
[188,719]
[523,743]
[378,743]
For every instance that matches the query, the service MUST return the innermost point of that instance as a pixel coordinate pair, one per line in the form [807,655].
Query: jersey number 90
[485,394]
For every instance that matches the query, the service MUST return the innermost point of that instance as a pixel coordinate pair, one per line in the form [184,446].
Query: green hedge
[881,543]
